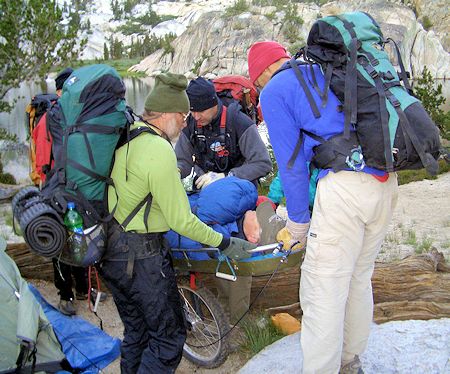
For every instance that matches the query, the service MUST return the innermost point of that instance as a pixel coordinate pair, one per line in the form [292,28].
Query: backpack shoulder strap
[298,73]
[351,76]
[403,74]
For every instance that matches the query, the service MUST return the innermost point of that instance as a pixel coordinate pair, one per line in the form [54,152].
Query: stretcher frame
[270,257]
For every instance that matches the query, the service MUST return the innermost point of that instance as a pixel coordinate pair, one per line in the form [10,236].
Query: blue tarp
[86,346]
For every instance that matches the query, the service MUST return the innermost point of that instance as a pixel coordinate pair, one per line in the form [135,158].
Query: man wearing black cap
[219,141]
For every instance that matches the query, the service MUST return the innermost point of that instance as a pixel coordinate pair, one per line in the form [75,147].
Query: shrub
[198,63]
[432,99]
[131,27]
[5,135]
[271,16]
[424,245]
[239,7]
[7,178]
[166,43]
[426,23]
[292,23]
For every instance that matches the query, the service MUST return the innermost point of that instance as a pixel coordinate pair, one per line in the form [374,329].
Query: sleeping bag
[219,205]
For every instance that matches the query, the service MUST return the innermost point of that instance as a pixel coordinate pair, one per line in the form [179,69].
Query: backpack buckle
[372,72]
[356,159]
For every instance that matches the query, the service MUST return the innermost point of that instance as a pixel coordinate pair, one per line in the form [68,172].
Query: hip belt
[130,246]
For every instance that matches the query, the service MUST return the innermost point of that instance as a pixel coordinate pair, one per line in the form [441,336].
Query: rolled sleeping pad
[43,230]
[21,197]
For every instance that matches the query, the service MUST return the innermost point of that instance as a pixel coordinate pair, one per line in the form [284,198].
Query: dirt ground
[421,221]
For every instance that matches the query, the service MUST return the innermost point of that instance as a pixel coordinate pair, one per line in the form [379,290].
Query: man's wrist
[224,243]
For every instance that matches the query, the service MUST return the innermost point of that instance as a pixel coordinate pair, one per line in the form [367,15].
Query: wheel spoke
[203,342]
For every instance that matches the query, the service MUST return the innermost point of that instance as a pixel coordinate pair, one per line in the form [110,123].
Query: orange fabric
[42,144]
[236,84]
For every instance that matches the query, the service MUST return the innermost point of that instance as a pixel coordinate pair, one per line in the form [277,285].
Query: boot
[66,307]
[94,295]
[352,367]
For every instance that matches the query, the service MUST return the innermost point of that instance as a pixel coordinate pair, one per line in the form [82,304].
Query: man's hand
[237,249]
[207,178]
[293,235]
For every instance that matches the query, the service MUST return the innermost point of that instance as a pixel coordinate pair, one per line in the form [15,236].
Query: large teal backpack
[86,125]
[393,130]
[93,114]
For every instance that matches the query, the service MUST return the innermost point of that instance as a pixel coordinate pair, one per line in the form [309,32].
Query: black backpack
[393,130]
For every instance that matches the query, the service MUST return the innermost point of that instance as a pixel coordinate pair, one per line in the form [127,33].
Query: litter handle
[226,276]
[267,247]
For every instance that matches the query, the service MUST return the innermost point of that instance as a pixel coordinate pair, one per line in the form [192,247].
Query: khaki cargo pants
[351,215]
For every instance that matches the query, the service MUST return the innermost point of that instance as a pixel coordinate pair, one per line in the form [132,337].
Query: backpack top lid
[330,37]
[93,95]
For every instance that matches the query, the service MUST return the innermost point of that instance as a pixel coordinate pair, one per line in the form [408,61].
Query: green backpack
[93,114]
[392,129]
[86,125]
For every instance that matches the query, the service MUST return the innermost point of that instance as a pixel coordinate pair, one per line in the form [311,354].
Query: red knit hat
[263,54]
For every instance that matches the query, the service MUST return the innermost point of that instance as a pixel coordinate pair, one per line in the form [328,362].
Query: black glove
[236,249]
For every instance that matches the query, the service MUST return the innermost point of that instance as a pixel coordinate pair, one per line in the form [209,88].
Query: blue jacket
[286,110]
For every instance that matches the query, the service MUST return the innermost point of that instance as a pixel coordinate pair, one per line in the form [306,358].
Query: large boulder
[217,44]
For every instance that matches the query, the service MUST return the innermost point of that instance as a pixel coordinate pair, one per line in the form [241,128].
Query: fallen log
[417,287]
[404,310]
[424,277]
[31,266]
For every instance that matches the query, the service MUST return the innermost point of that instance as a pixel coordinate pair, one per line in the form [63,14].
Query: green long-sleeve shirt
[152,167]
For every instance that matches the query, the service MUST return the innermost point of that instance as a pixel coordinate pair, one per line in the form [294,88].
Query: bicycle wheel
[207,324]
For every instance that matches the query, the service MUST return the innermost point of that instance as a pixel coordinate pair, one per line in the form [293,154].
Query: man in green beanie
[149,200]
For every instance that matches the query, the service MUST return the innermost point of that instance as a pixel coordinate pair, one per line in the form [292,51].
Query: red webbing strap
[193,281]
[223,120]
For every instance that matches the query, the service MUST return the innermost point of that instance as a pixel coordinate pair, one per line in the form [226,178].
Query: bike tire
[206,323]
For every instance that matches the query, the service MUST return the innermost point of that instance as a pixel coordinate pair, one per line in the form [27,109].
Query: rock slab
[400,347]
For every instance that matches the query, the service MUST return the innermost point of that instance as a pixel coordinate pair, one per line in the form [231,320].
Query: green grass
[410,237]
[392,238]
[424,245]
[121,65]
[407,176]
[259,332]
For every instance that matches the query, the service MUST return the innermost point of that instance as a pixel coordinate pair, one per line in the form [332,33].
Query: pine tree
[105,52]
[33,39]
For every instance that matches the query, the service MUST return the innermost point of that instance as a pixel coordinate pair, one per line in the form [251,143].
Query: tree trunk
[30,265]
[417,287]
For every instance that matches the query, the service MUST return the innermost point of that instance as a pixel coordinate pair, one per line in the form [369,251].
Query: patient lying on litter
[232,207]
